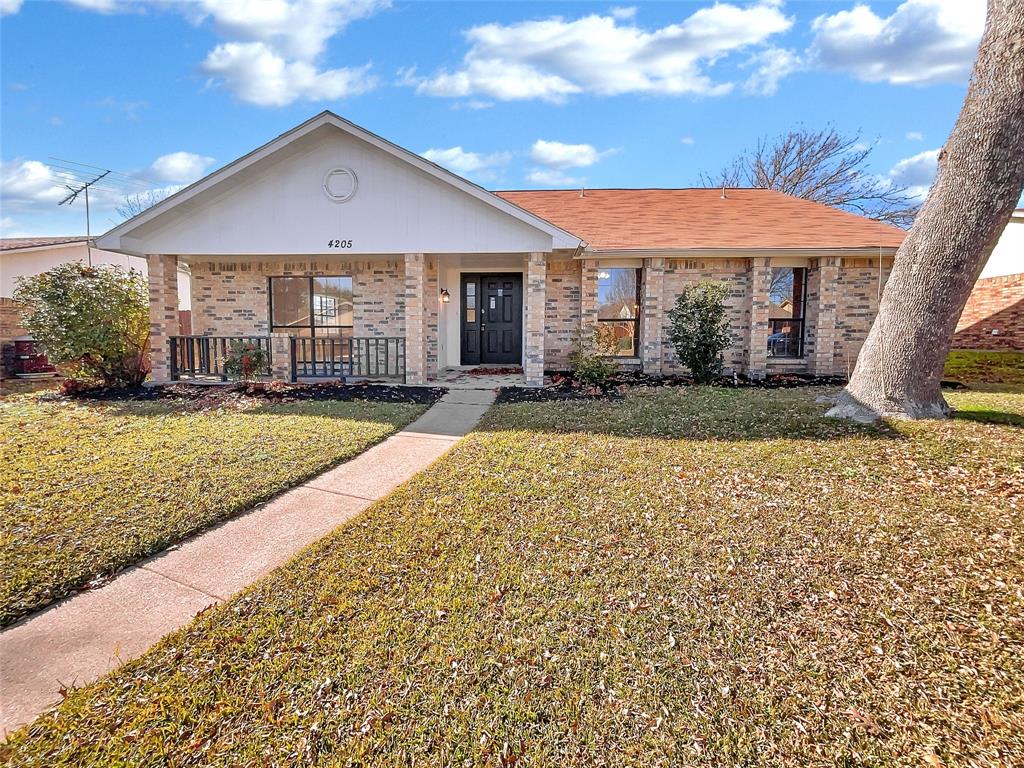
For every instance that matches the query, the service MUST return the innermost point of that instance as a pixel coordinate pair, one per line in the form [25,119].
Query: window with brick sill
[618,308]
[787,300]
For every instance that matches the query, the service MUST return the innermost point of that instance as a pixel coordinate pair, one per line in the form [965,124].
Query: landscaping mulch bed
[564,386]
[212,396]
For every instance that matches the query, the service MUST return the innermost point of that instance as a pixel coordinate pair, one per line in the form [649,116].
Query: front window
[787,298]
[618,308]
[311,306]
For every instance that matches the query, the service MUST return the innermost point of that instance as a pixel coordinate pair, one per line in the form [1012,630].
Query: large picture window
[787,298]
[618,307]
[311,306]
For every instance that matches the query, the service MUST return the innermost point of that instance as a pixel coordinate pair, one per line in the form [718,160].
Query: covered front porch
[417,319]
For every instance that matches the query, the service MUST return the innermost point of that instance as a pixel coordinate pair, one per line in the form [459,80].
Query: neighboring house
[994,315]
[344,253]
[26,256]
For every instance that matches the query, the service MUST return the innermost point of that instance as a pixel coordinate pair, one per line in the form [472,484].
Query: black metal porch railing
[202,357]
[785,338]
[334,357]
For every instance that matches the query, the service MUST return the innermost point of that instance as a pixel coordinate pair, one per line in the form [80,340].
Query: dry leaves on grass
[747,584]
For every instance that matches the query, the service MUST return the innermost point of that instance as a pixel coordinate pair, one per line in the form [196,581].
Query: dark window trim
[636,320]
[311,326]
[801,318]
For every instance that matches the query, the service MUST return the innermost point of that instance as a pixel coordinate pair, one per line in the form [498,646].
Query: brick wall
[856,306]
[231,298]
[10,329]
[994,315]
[561,311]
[680,273]
[10,320]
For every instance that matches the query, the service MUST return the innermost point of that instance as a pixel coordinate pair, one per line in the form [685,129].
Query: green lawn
[88,488]
[691,576]
[996,371]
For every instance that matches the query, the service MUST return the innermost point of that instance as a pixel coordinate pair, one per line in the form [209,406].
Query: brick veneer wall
[10,320]
[10,328]
[680,273]
[996,303]
[857,294]
[432,307]
[562,308]
[232,297]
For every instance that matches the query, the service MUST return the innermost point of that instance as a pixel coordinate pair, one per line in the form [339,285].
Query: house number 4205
[339,243]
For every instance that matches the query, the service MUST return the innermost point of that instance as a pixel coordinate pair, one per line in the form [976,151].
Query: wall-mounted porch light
[445,296]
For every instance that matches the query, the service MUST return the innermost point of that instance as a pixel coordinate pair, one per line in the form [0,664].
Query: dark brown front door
[492,319]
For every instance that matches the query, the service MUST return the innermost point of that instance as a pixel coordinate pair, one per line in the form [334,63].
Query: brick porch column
[652,315]
[280,356]
[163,313]
[822,361]
[415,321]
[536,290]
[757,334]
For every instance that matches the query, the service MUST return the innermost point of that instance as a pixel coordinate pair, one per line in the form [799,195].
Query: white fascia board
[53,247]
[118,240]
[726,253]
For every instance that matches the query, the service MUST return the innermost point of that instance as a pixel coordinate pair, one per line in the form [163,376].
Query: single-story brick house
[345,254]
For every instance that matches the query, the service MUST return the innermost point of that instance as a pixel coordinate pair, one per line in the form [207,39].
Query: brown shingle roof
[14,243]
[632,219]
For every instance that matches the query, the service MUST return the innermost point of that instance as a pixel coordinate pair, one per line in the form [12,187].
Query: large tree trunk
[980,179]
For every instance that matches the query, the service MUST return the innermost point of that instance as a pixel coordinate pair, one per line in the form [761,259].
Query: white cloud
[555,58]
[100,6]
[179,167]
[772,64]
[546,177]
[27,183]
[298,30]
[466,163]
[914,136]
[256,73]
[130,109]
[921,42]
[916,173]
[273,47]
[627,12]
[688,140]
[555,154]
[9,7]
[33,189]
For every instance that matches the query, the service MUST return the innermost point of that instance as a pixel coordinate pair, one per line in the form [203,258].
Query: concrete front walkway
[84,637]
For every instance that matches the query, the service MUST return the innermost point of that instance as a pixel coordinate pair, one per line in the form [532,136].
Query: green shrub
[699,329]
[246,361]
[591,358]
[93,319]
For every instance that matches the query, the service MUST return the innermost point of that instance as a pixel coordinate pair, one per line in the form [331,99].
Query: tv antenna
[73,193]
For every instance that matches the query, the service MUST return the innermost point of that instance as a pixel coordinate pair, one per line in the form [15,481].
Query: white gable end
[277,204]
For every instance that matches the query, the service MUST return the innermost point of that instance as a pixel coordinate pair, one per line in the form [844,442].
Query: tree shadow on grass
[351,410]
[692,413]
[990,416]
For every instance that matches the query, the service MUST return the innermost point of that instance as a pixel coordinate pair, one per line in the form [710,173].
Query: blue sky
[511,95]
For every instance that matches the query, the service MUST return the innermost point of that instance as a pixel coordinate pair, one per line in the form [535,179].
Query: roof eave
[722,253]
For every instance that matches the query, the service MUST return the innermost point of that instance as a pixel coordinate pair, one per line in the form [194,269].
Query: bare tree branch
[824,166]
[133,205]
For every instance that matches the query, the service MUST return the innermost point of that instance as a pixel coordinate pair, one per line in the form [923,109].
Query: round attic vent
[340,184]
